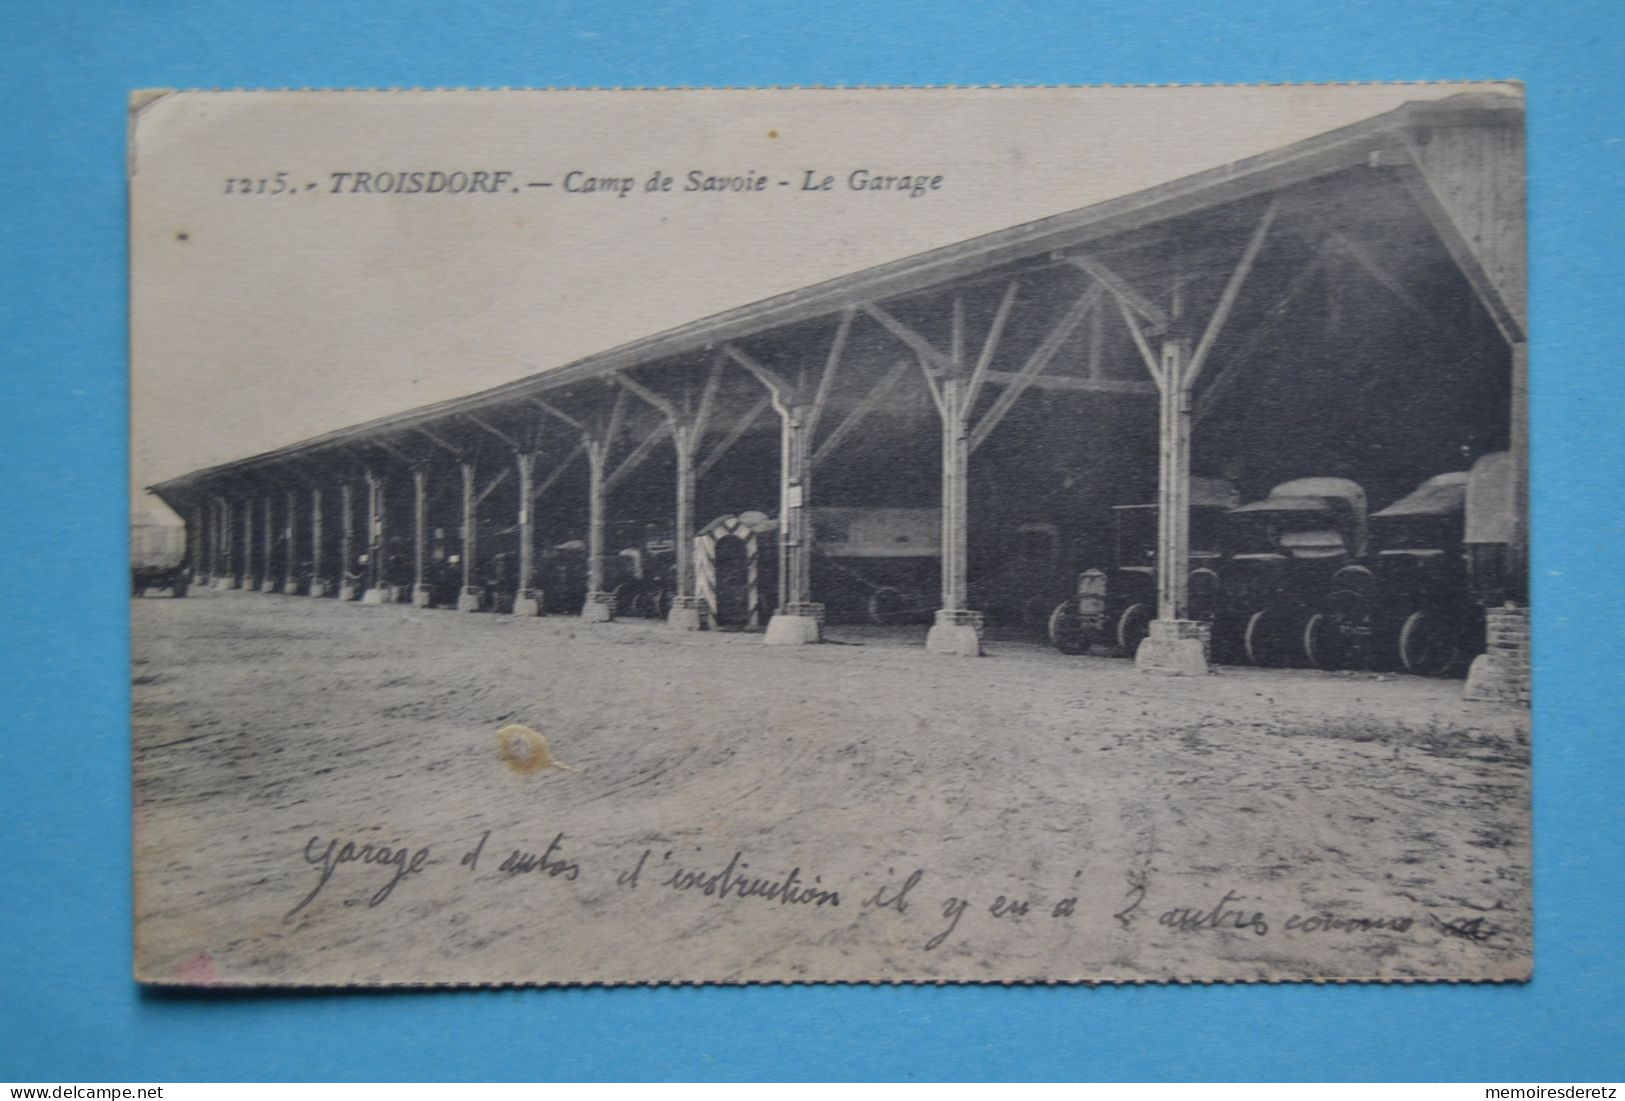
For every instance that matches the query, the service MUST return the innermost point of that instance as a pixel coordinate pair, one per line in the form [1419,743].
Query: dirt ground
[1069,818]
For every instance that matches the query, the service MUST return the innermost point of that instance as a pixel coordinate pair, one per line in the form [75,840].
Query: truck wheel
[1323,644]
[1132,627]
[1067,631]
[1268,640]
[1428,647]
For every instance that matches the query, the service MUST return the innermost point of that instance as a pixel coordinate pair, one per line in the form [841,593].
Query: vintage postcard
[813,535]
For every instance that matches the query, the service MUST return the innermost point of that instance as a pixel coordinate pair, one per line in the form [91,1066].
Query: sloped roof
[1370,141]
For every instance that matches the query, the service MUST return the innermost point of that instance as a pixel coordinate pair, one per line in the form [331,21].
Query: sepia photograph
[1042,535]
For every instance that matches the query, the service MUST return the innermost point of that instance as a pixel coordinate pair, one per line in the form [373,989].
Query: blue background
[68,1010]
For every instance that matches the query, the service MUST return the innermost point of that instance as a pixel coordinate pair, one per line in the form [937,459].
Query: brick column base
[383,594]
[688,613]
[956,631]
[599,608]
[1176,648]
[796,625]
[1501,672]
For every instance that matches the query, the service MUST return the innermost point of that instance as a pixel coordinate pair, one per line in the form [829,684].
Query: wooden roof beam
[782,391]
[1073,384]
[455,452]
[1121,289]
[1215,388]
[1035,365]
[1362,256]
[1147,356]
[858,412]
[990,343]
[708,399]
[556,413]
[832,363]
[1232,291]
[502,476]
[735,434]
[922,347]
[557,472]
[665,407]
[638,454]
[495,431]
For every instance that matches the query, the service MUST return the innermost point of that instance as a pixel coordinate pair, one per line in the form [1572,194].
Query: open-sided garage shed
[1350,306]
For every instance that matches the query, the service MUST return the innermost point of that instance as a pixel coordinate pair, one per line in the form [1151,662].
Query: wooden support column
[378,589]
[1175,644]
[194,544]
[957,629]
[686,610]
[421,591]
[222,544]
[249,579]
[468,600]
[686,425]
[290,573]
[795,486]
[318,578]
[1173,486]
[527,598]
[955,500]
[207,566]
[599,606]
[350,581]
[798,619]
[242,543]
[267,581]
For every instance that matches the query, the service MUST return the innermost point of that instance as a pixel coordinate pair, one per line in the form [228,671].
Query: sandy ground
[1069,818]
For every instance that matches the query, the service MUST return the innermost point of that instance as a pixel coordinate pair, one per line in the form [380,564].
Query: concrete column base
[599,608]
[349,590]
[1175,648]
[528,603]
[688,613]
[318,587]
[420,596]
[796,625]
[956,632]
[291,586]
[1501,673]
[469,599]
[224,583]
[383,594]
